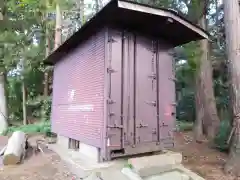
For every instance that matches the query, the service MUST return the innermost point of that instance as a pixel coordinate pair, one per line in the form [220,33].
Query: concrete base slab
[177,173]
[151,165]
[83,166]
[148,166]
[173,175]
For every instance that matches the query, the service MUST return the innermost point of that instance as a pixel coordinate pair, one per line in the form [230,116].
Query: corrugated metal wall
[78,92]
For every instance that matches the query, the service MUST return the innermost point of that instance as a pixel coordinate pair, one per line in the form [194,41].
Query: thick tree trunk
[211,120]
[15,148]
[207,120]
[232,28]
[3,103]
[198,125]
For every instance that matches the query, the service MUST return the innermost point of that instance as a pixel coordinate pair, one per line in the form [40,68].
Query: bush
[40,107]
[43,127]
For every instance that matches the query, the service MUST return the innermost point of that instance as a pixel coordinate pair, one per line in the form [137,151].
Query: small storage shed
[113,84]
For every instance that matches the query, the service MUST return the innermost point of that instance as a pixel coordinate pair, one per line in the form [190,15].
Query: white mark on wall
[108,142]
[71,95]
[83,108]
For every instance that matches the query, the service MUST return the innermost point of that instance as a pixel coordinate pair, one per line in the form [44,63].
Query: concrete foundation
[84,164]
[84,149]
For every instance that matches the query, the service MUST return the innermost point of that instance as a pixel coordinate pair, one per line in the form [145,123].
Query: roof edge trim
[159,12]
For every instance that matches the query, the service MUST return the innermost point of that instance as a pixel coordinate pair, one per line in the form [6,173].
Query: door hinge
[151,103]
[164,124]
[174,104]
[110,70]
[111,114]
[152,76]
[115,126]
[110,39]
[172,79]
[141,125]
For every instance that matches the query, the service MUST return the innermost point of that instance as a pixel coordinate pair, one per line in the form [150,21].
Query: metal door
[167,96]
[145,91]
[115,63]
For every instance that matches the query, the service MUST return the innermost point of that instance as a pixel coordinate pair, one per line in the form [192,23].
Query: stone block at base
[152,165]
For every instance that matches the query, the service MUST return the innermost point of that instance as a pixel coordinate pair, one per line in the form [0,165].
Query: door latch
[111,114]
[152,103]
[141,125]
[110,101]
[115,126]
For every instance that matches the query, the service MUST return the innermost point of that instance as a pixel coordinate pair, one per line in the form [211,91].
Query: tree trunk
[58,31]
[198,125]
[24,108]
[15,148]
[82,17]
[46,73]
[211,120]
[207,120]
[3,103]
[24,103]
[97,6]
[232,28]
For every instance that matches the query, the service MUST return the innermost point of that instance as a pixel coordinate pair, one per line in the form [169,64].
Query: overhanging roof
[156,22]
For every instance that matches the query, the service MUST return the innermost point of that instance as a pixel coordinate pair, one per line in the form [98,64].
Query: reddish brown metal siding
[127,79]
[78,92]
[141,94]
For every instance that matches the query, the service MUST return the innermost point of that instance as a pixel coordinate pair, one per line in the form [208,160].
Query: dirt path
[36,167]
[204,161]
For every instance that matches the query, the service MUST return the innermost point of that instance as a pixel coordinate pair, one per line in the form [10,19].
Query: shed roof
[156,22]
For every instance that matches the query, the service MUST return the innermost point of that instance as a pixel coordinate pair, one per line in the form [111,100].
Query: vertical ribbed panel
[78,92]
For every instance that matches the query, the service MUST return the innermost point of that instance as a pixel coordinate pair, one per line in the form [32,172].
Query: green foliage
[40,107]
[130,166]
[185,109]
[184,126]
[43,127]
[223,135]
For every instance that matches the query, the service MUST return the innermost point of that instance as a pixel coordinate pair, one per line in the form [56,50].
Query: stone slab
[156,164]
[191,174]
[81,165]
[173,175]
